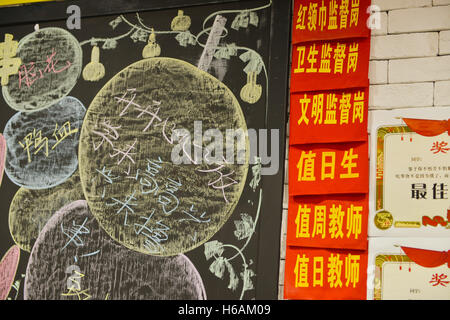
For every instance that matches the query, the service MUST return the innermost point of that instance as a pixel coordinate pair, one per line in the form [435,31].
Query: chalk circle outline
[15,102]
[53,231]
[85,175]
[21,214]
[14,254]
[9,149]
[2,156]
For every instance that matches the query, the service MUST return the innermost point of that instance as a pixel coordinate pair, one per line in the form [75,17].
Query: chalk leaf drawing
[114,23]
[186,38]
[109,44]
[230,50]
[251,92]
[243,19]
[244,227]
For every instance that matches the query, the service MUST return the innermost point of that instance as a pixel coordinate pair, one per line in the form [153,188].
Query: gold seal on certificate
[383,220]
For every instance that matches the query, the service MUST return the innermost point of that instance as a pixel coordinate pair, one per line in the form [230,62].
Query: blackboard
[93,194]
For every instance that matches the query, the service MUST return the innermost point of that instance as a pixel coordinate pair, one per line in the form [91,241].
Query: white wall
[409,67]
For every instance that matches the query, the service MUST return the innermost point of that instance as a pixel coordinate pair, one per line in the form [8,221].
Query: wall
[409,67]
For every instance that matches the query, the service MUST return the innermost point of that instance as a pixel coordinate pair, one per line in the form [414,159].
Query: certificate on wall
[410,173]
[408,269]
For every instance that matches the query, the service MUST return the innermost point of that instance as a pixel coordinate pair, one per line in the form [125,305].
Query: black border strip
[51,11]
[272,203]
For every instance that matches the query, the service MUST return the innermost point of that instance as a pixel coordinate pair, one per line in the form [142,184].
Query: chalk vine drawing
[251,93]
[244,230]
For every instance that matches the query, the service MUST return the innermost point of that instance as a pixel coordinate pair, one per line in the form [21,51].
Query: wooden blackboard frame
[269,231]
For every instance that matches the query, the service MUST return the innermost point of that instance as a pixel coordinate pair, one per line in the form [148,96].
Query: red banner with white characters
[325,274]
[316,169]
[331,64]
[330,19]
[329,116]
[338,221]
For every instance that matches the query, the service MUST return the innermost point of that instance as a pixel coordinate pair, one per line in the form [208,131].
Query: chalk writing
[191,214]
[109,132]
[30,75]
[125,205]
[220,183]
[35,139]
[155,235]
[74,232]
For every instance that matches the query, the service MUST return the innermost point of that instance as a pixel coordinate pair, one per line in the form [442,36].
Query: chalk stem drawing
[94,41]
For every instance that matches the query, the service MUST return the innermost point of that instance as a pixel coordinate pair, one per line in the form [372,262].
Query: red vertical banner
[316,169]
[338,221]
[325,274]
[328,64]
[329,116]
[326,253]
[330,19]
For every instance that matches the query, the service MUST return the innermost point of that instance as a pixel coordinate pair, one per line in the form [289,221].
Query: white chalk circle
[42,145]
[51,64]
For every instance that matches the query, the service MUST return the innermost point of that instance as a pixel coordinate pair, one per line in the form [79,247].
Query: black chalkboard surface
[145,149]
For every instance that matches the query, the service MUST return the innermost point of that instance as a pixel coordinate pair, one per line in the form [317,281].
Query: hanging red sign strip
[329,19]
[328,169]
[325,274]
[329,116]
[338,221]
[328,65]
